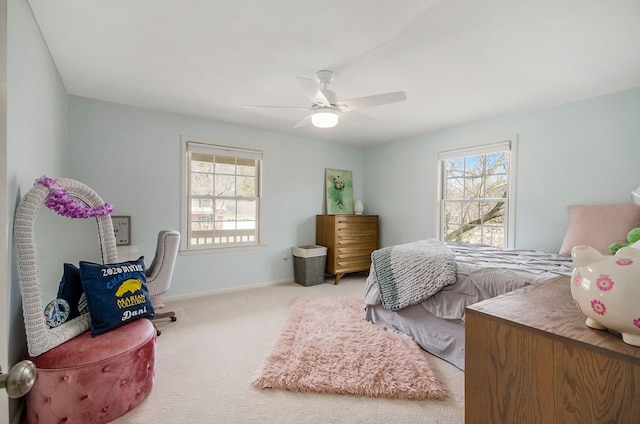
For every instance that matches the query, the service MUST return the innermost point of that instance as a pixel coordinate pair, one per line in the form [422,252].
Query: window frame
[508,144]
[185,198]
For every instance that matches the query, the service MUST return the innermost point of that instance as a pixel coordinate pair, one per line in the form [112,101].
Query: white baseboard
[227,290]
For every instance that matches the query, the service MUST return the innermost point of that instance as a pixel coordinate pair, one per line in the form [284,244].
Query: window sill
[209,250]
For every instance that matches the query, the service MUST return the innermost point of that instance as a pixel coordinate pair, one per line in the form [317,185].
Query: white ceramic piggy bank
[607,290]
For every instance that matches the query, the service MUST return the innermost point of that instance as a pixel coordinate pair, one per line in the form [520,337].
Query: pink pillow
[599,226]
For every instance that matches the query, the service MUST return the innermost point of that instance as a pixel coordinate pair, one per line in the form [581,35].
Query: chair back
[160,272]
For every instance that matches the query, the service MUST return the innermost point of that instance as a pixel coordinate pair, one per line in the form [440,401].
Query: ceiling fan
[326,108]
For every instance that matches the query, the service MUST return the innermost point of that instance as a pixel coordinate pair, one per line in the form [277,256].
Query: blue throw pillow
[70,289]
[116,294]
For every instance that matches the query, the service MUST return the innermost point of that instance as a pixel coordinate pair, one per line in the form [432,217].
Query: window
[221,201]
[476,192]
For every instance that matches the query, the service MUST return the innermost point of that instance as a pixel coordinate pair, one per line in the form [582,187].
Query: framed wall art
[339,188]
[122,230]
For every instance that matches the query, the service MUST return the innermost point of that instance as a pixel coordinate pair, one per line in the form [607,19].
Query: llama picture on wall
[339,188]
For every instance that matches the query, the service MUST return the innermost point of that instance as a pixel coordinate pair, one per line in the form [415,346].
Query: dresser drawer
[355,253]
[365,238]
[355,225]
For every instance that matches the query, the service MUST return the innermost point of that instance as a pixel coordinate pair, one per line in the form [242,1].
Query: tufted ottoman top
[86,350]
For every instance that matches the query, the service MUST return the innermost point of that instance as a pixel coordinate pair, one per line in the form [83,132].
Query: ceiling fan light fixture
[324,118]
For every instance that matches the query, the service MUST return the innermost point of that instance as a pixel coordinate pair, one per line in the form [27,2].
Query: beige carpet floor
[206,359]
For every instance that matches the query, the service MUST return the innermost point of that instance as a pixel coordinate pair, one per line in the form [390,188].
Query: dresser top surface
[350,215]
[549,307]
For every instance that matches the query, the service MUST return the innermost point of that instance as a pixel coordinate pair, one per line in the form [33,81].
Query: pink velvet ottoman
[94,380]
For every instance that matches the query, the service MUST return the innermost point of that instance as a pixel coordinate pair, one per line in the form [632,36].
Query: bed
[431,305]
[478,272]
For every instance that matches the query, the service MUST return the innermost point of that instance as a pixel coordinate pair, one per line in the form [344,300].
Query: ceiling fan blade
[371,101]
[312,91]
[304,122]
[275,107]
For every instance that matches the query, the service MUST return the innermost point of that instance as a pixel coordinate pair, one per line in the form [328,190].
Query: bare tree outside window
[475,195]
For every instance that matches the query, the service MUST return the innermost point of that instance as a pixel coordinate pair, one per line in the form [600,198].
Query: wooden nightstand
[349,239]
[531,359]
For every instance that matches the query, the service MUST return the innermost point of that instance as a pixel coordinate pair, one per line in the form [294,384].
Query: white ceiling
[458,61]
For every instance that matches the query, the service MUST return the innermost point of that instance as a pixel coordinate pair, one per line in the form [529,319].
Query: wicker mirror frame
[41,338]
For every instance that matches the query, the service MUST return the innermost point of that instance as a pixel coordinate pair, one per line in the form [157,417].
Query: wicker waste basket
[309,264]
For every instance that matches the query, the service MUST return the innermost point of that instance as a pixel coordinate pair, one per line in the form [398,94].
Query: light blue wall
[131,157]
[36,137]
[580,153]
[37,103]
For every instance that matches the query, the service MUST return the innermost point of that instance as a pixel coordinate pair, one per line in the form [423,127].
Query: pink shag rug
[327,346]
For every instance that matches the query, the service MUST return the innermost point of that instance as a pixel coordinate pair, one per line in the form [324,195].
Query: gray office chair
[160,271]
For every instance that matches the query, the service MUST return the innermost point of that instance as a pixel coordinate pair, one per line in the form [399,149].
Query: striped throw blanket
[410,273]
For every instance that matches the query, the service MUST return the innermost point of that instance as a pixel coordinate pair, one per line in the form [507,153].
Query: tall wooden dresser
[531,359]
[350,240]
